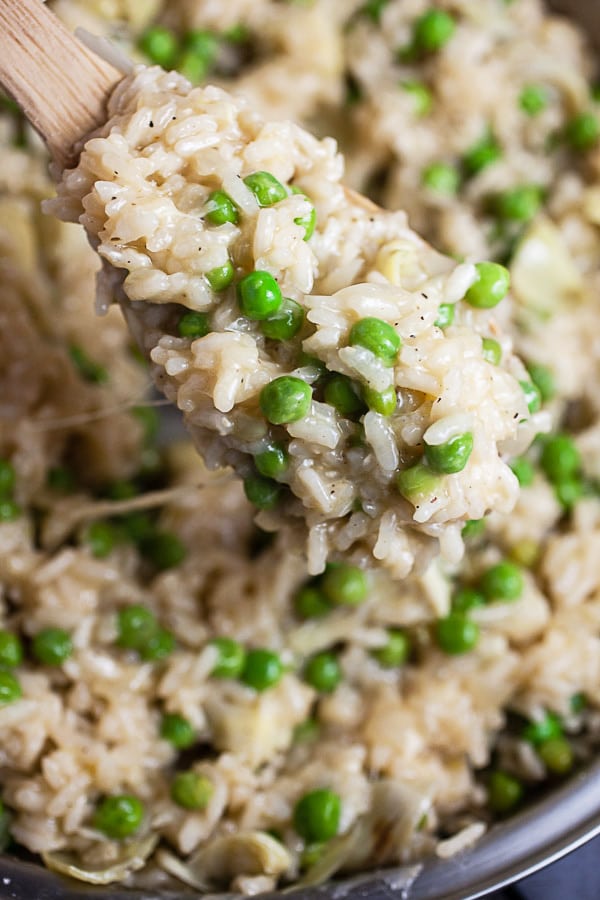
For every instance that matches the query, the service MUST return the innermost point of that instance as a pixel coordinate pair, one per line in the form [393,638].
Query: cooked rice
[409,749]
[358,263]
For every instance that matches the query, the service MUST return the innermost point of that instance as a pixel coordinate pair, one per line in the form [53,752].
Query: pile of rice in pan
[241,684]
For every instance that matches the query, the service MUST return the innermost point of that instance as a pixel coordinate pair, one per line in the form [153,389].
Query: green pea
[310,603]
[11,649]
[121,490]
[382,402]
[492,285]
[543,378]
[88,369]
[160,46]
[191,790]
[263,669]
[482,154]
[137,526]
[344,585]
[8,478]
[557,755]
[10,688]
[309,220]
[442,178]
[317,815]
[504,581]
[544,729]
[578,702]
[9,510]
[273,461]
[232,658]
[395,652]
[259,295]
[505,792]
[373,9]
[446,313]
[492,351]
[149,419]
[467,598]
[342,393]
[163,549]
[266,188]
[569,492]
[420,95]
[285,323]
[305,731]
[525,553]
[533,99]
[52,646]
[473,528]
[119,816]
[61,479]
[416,482]
[285,399]
[221,209]
[237,34]
[583,131]
[524,471]
[560,459]
[101,537]
[204,43]
[177,731]
[193,325]
[193,67]
[456,633]
[323,672]
[220,277]
[159,646]
[519,204]
[433,30]
[532,396]
[378,336]
[135,625]
[451,456]
[264,493]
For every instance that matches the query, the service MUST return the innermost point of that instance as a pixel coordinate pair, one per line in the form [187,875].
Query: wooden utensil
[61,85]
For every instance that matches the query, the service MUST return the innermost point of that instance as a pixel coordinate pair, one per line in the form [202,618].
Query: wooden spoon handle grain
[60,84]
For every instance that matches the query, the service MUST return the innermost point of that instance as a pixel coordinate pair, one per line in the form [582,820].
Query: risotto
[184,695]
[317,345]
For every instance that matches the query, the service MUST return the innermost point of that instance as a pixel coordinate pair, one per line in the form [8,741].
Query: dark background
[576,877]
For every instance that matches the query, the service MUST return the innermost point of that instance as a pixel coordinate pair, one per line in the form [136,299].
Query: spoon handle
[61,85]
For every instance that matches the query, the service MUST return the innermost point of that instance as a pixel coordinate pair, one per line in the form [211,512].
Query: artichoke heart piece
[134,856]
[545,279]
[220,861]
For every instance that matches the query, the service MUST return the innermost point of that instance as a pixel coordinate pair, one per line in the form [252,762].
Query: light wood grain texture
[60,84]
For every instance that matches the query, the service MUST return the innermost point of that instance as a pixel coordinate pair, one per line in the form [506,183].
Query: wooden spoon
[61,85]
[63,88]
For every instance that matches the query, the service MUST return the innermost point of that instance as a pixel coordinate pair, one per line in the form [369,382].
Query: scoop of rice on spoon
[357,380]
